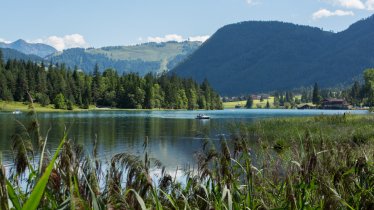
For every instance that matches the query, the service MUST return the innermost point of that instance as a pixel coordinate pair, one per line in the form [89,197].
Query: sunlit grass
[256,103]
[9,106]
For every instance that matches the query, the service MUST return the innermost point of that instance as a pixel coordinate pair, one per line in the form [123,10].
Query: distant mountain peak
[20,41]
[39,49]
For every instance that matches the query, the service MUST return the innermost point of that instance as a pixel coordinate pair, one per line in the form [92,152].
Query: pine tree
[355,93]
[267,105]
[249,103]
[1,59]
[316,95]
[109,89]
[21,86]
[95,86]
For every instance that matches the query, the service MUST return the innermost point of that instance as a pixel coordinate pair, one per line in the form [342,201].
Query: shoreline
[24,107]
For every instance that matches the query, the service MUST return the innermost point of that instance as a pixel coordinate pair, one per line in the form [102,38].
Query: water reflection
[174,136]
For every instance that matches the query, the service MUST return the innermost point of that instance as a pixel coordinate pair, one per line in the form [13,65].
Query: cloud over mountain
[177,38]
[64,42]
[324,13]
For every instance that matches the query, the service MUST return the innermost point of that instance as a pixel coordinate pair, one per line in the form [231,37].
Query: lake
[174,136]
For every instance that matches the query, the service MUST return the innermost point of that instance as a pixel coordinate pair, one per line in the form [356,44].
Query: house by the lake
[334,103]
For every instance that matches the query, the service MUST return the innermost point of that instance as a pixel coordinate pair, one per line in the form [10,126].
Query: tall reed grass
[323,162]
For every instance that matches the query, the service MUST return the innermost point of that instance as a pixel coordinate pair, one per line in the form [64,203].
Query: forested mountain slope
[259,56]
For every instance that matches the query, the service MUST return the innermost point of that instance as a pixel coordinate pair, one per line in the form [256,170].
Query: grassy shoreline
[6,106]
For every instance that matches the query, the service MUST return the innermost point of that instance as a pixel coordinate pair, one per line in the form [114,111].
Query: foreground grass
[323,162]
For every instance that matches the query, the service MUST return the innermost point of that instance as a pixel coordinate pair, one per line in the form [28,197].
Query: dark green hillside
[14,54]
[261,56]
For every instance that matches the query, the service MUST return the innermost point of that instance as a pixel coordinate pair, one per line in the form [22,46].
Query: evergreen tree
[67,88]
[21,86]
[192,99]
[78,83]
[249,103]
[355,93]
[1,59]
[281,100]
[5,93]
[96,84]
[369,86]
[316,95]
[158,96]
[267,104]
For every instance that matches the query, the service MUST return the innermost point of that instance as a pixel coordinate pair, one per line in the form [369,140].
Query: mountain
[258,56]
[14,54]
[41,50]
[142,58]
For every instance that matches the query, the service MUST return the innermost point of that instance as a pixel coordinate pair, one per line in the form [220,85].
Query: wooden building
[334,103]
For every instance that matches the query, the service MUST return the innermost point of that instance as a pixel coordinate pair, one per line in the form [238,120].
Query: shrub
[69,105]
[43,99]
[59,101]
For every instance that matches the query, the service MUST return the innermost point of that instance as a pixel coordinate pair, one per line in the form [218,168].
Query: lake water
[174,136]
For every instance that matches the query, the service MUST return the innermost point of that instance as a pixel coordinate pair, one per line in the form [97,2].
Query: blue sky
[95,23]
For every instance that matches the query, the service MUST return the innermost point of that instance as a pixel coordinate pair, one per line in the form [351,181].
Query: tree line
[362,94]
[66,88]
[359,94]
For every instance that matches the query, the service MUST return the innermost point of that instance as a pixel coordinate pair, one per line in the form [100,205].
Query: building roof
[333,100]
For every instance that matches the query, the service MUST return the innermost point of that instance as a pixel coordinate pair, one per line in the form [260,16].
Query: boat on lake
[16,112]
[202,117]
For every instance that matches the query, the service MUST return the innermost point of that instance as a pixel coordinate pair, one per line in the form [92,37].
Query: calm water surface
[174,136]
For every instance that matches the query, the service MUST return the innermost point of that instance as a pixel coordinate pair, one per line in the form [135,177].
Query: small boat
[202,117]
[16,112]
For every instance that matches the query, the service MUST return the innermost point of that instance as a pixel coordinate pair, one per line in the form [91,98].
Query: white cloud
[324,13]
[176,38]
[65,42]
[5,41]
[349,4]
[352,4]
[250,2]
[370,4]
[198,38]
[253,2]
[166,38]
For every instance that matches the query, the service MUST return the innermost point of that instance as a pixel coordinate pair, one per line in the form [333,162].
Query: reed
[323,162]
